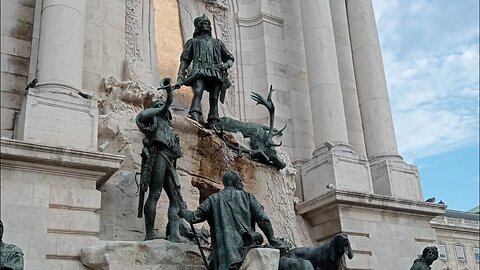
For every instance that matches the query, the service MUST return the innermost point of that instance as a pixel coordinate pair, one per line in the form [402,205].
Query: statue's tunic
[11,257]
[206,54]
[160,139]
[229,213]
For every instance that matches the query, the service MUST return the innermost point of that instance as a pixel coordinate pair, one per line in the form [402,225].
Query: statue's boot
[195,116]
[213,123]
[149,224]
[174,232]
[150,235]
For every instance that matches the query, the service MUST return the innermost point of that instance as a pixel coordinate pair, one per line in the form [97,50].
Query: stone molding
[33,153]
[372,201]
[259,18]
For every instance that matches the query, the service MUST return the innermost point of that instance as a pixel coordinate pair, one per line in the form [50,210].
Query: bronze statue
[11,256]
[328,256]
[210,61]
[261,136]
[161,148]
[231,213]
[423,262]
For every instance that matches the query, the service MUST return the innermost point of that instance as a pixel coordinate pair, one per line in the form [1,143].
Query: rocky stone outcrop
[145,255]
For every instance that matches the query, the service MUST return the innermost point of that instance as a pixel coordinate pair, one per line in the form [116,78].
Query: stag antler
[271,109]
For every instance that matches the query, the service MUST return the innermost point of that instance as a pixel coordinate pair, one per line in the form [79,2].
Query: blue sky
[430,51]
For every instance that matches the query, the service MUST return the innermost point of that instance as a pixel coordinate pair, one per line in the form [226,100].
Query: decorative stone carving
[138,42]
[125,96]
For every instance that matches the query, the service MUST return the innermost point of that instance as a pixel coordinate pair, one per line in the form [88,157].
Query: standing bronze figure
[210,61]
[231,213]
[429,255]
[161,148]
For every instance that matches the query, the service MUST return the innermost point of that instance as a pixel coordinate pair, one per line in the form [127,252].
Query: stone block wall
[49,201]
[17,18]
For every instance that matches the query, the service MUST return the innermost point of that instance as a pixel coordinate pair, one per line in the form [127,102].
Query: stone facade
[50,200]
[457,232]
[97,63]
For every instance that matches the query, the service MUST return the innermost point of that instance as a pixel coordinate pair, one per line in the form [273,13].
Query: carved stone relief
[139,40]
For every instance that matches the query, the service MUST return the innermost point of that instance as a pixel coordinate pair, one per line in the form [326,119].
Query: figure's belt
[208,65]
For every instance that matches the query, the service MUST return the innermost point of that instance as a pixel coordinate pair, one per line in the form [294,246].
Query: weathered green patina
[11,256]
[230,213]
[210,61]
[160,152]
[261,136]
[429,255]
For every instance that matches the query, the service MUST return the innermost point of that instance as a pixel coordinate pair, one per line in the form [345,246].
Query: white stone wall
[104,42]
[272,53]
[384,232]
[16,36]
[49,201]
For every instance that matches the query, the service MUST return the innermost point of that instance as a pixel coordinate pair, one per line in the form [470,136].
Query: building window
[460,253]
[476,254]
[442,252]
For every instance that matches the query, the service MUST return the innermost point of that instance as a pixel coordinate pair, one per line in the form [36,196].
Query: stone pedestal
[53,112]
[338,165]
[261,259]
[385,232]
[49,200]
[395,178]
[59,118]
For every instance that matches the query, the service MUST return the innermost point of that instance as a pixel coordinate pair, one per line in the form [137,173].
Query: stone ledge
[373,201]
[154,254]
[107,164]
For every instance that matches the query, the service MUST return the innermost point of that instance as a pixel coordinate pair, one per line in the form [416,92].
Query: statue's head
[430,254]
[342,245]
[202,26]
[233,179]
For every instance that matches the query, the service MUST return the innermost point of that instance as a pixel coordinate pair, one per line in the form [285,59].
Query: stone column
[323,76]
[347,77]
[371,84]
[53,112]
[334,161]
[60,58]
[390,175]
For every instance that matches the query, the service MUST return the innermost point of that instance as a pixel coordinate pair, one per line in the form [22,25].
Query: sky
[430,51]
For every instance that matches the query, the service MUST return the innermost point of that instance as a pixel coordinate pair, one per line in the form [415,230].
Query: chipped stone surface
[132,255]
[261,259]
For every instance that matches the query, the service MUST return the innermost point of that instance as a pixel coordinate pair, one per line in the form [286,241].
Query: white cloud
[432,67]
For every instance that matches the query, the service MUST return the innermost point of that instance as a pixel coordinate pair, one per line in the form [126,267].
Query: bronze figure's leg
[213,102]
[158,176]
[173,208]
[196,106]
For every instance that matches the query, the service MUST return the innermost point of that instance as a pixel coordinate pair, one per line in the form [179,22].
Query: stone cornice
[34,153]
[372,201]
[259,18]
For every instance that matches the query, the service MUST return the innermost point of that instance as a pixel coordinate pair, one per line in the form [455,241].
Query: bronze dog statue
[328,256]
